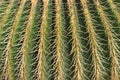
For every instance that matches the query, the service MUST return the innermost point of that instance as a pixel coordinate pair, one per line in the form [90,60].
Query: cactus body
[59,40]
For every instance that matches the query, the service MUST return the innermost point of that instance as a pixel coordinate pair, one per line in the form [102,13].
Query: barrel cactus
[59,39]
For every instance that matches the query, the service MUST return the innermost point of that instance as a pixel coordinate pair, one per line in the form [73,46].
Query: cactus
[59,40]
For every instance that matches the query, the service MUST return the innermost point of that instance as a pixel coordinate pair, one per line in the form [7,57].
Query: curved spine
[58,44]
[7,64]
[2,20]
[25,46]
[17,40]
[115,9]
[114,51]
[4,8]
[6,26]
[42,45]
[94,42]
[76,43]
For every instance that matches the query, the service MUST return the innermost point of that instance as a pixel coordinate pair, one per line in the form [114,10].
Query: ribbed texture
[59,40]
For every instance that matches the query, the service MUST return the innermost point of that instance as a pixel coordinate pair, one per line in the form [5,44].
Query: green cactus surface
[59,39]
